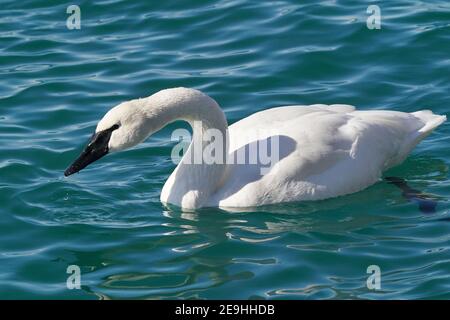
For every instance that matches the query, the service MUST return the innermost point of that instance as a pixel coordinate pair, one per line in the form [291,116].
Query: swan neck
[189,105]
[192,182]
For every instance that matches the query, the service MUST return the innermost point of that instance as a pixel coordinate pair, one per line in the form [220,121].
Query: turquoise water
[249,55]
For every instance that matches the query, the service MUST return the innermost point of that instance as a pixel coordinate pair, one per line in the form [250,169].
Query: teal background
[55,84]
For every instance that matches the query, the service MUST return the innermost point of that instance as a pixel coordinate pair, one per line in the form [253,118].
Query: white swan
[325,150]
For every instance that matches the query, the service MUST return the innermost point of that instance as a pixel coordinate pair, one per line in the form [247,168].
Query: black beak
[96,148]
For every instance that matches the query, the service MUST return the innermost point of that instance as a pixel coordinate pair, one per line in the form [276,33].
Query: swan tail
[425,122]
[431,121]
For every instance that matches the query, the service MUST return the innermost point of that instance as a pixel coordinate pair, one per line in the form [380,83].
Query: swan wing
[323,151]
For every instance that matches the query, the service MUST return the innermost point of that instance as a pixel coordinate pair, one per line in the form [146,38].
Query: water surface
[248,55]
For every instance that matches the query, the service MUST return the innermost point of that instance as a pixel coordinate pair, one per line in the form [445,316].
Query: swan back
[335,150]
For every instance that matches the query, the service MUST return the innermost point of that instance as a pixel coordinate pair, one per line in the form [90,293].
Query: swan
[324,150]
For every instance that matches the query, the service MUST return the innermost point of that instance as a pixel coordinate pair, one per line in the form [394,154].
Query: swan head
[122,127]
[131,122]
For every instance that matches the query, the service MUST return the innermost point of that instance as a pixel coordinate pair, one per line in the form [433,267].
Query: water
[57,83]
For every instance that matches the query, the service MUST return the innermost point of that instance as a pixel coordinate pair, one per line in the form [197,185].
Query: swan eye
[101,136]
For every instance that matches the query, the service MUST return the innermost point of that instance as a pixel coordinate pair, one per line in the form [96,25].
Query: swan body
[324,150]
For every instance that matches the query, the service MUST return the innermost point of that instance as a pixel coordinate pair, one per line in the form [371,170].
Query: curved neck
[195,178]
[185,104]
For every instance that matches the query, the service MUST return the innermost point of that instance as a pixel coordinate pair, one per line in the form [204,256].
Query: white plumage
[325,151]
